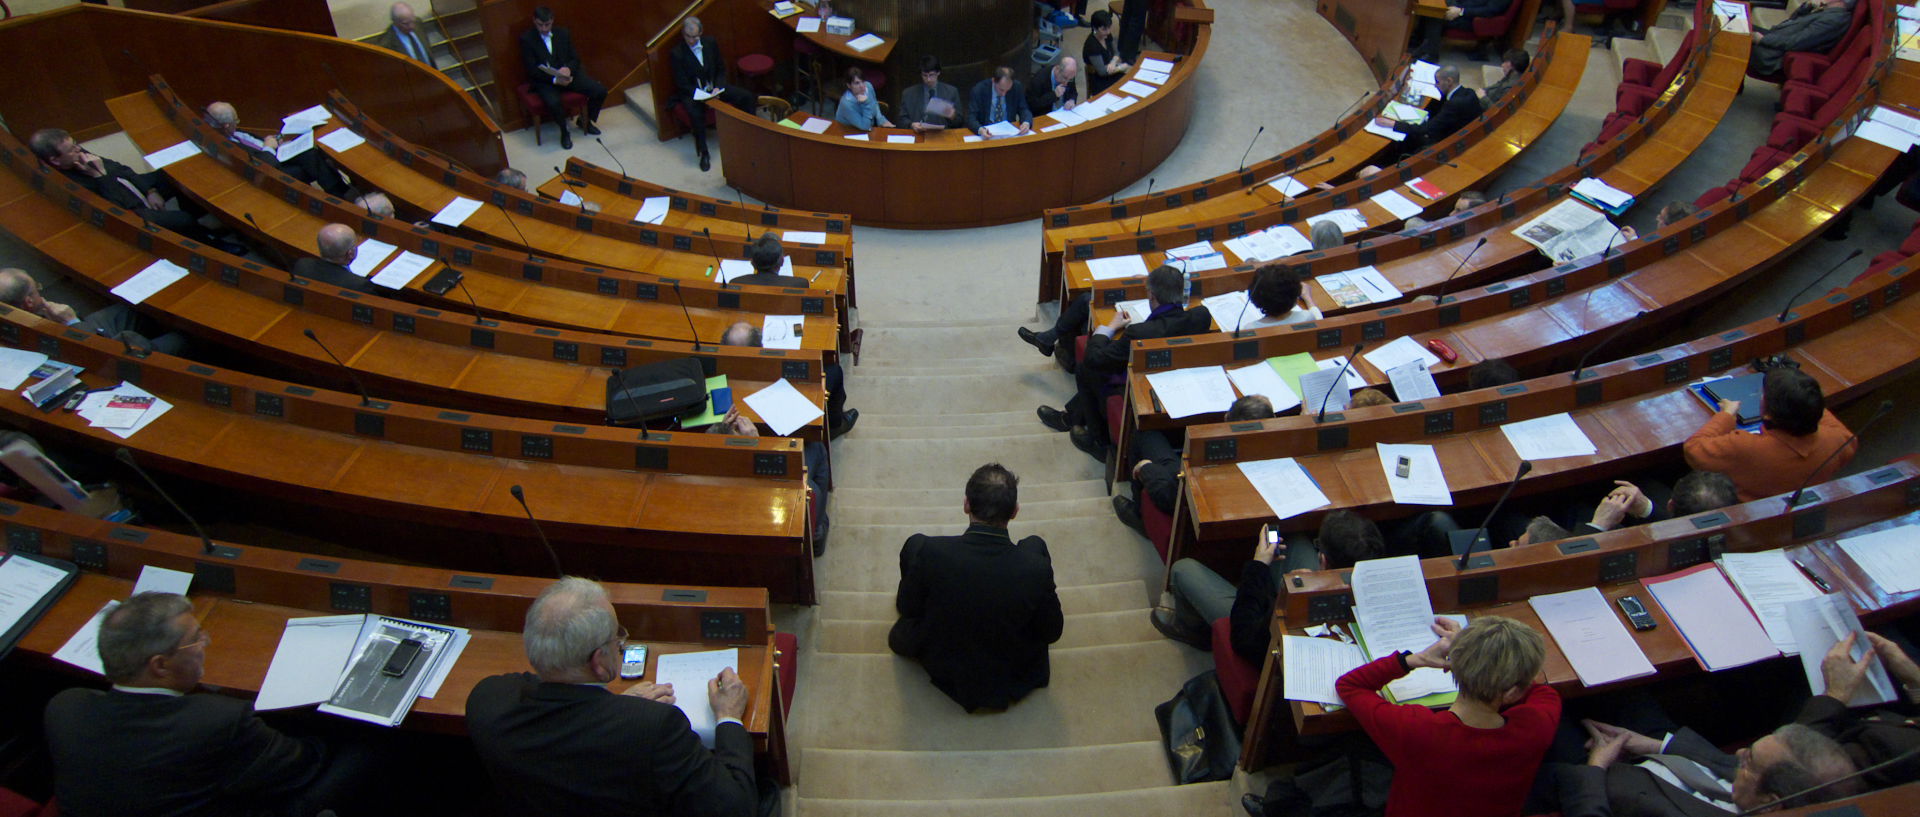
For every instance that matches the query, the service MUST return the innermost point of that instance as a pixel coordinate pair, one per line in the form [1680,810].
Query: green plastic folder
[1436,699]
[788,123]
[707,417]
[1291,367]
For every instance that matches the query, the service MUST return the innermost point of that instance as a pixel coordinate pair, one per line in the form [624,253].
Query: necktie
[999,110]
[419,50]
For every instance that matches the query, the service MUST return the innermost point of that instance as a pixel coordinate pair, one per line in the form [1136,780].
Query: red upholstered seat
[1634,100]
[753,65]
[1116,411]
[1159,525]
[1880,262]
[1239,678]
[1715,195]
[14,804]
[786,660]
[575,104]
[1911,245]
[1485,28]
[1650,74]
[1764,159]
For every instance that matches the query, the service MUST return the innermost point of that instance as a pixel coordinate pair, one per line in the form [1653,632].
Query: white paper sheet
[731,268]
[157,276]
[571,199]
[972,138]
[1285,486]
[1309,666]
[1001,130]
[1374,284]
[1375,128]
[1194,250]
[166,156]
[1416,88]
[161,580]
[1137,309]
[1545,438]
[1151,64]
[1230,309]
[783,408]
[1602,192]
[1424,484]
[443,663]
[306,666]
[15,365]
[402,271]
[816,125]
[341,140]
[83,649]
[372,253]
[653,210]
[91,406]
[1888,557]
[1591,636]
[1152,77]
[1186,392]
[1262,380]
[1140,89]
[1401,351]
[1770,582]
[689,673]
[1423,71]
[1117,267]
[1895,119]
[804,237]
[704,94]
[864,41]
[1713,619]
[1880,133]
[1199,263]
[781,331]
[857,137]
[1394,613]
[302,121]
[807,25]
[1738,11]
[1354,380]
[23,583]
[899,139]
[1412,381]
[1319,388]
[1349,220]
[456,211]
[1066,116]
[1400,206]
[1820,622]
[1286,186]
[294,147]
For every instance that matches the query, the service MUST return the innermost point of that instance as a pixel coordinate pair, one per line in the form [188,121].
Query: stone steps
[1084,551]
[1084,630]
[948,497]
[945,462]
[1085,599]
[856,774]
[1219,798]
[1057,510]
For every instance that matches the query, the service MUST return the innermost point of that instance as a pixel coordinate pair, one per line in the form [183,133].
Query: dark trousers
[835,380]
[313,167]
[1159,481]
[697,111]
[1133,26]
[1089,404]
[118,318]
[583,85]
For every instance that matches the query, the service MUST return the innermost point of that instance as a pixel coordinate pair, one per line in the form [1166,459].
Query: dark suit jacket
[1869,737]
[1481,8]
[390,40]
[1040,97]
[130,754]
[980,104]
[572,749]
[1108,355]
[981,611]
[771,279]
[913,105]
[689,73]
[113,191]
[1626,790]
[1459,108]
[327,272]
[533,54]
[1809,28]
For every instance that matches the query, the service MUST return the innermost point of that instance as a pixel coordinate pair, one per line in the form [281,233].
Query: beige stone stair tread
[949,496]
[1219,798]
[858,774]
[1081,630]
[866,557]
[1074,600]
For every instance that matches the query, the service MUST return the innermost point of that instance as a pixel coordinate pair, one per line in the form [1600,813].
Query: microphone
[1886,407]
[1250,143]
[516,230]
[685,314]
[123,455]
[460,280]
[1243,314]
[1337,380]
[713,251]
[742,202]
[566,181]
[1143,209]
[1343,114]
[616,159]
[1604,341]
[1525,466]
[291,277]
[522,496]
[1456,270]
[1793,800]
[365,399]
[1796,296]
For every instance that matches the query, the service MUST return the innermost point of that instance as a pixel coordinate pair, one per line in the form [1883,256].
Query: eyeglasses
[201,639]
[619,641]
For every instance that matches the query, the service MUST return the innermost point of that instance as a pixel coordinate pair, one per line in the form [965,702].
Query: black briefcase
[656,390]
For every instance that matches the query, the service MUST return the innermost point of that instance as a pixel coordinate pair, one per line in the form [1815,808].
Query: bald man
[311,166]
[338,246]
[1057,91]
[19,290]
[403,35]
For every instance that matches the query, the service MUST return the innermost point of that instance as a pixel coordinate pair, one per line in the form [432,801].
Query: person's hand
[1068,105]
[1026,126]
[1634,743]
[1843,674]
[155,200]
[59,312]
[1629,234]
[728,695]
[1602,752]
[1730,407]
[1435,655]
[564,72]
[1639,505]
[1611,510]
[738,425]
[918,126]
[1898,663]
[652,692]
[562,80]
[1267,549]
[1383,122]
[1454,12]
[1139,465]
[272,142]
[1120,321]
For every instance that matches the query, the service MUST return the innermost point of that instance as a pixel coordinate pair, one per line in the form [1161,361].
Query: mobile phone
[401,658]
[1637,614]
[1404,468]
[1439,347]
[633,661]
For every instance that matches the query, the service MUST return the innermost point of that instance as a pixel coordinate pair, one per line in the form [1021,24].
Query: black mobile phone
[401,658]
[1637,614]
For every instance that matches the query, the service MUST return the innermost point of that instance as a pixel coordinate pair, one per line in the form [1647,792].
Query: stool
[575,104]
[753,67]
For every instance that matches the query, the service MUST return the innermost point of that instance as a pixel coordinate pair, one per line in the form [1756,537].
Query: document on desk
[804,236]
[1186,392]
[1822,621]
[371,254]
[1390,603]
[294,147]
[731,268]
[1401,351]
[572,199]
[1424,89]
[1545,438]
[781,331]
[1066,116]
[1887,556]
[307,664]
[865,41]
[1423,71]
[1151,64]
[1286,186]
[157,276]
[816,125]
[653,210]
[1712,618]
[1400,206]
[1286,487]
[1402,112]
[306,120]
[1139,89]
[857,137]
[1117,267]
[1353,378]
[456,211]
[1348,220]
[16,364]
[1769,581]
[366,692]
[341,140]
[1152,77]
[1230,309]
[1137,309]
[1738,24]
[1262,380]
[83,649]
[400,272]
[1591,636]
[1194,250]
[1321,390]
[1424,484]
[1309,666]
[161,580]
[24,584]
[689,673]
[1374,127]
[92,408]
[1880,133]
[783,408]
[1199,263]
[807,25]
[166,156]
[900,139]
[1001,129]
[1606,195]
[1412,381]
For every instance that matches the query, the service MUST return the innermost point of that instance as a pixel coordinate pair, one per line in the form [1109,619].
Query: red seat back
[1159,525]
[1239,678]
[786,660]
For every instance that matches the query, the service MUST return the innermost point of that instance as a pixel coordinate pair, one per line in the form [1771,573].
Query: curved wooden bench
[693,211]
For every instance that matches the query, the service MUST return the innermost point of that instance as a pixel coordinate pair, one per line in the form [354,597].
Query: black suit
[1626,790]
[1106,359]
[771,279]
[312,166]
[534,53]
[132,754]
[978,611]
[185,221]
[1869,737]
[1456,111]
[1040,96]
[980,106]
[327,272]
[574,749]
[691,73]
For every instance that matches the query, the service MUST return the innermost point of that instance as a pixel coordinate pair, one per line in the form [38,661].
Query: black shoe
[846,423]
[232,247]
[566,139]
[1254,804]
[1054,418]
[1168,628]
[1040,340]
[590,129]
[706,163]
[1085,440]
[1129,513]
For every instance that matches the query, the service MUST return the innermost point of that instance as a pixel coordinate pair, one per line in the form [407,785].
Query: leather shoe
[1044,344]
[1254,804]
[846,423]
[1162,619]
[566,139]
[1054,418]
[590,129]
[706,163]
[1129,513]
[232,247]
[1085,440]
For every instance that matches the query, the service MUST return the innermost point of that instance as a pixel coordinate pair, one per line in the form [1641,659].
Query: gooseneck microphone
[685,314]
[741,200]
[1525,466]
[1143,209]
[718,276]
[616,159]
[1823,276]
[516,231]
[522,496]
[1886,407]
[365,398]
[123,455]
[460,280]
[1582,365]
[566,181]
[1350,105]
[1458,267]
[1250,144]
[1337,380]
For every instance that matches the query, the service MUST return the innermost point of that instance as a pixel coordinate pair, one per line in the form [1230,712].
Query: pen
[1817,581]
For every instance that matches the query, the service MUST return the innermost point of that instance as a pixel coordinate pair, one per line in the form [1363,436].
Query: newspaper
[1568,231]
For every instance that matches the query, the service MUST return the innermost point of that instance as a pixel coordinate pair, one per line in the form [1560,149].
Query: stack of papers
[304,121]
[341,140]
[1001,130]
[1887,557]
[1274,242]
[1349,220]
[1394,613]
[1769,581]
[1261,379]
[1152,77]
[1140,89]
[1424,484]
[783,408]
[653,210]
[1591,636]
[1136,309]
[1156,65]
[1117,267]
[1066,116]
[166,156]
[1285,486]
[865,41]
[1569,230]
[807,25]
[24,583]
[1402,112]
[817,125]
[123,409]
[337,662]
[1232,310]
[402,271]
[1717,625]
[1325,390]
[1546,438]
[1603,195]
[143,284]
[1374,127]
[1186,392]
[371,254]
[1401,351]
[1286,186]
[1358,287]
[1820,622]
[1310,666]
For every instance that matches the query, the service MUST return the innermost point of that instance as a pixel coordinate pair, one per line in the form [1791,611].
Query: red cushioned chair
[576,104]
[1485,32]
[1650,74]
[14,804]
[1865,16]
[1846,71]
[1634,100]
[1116,411]
[1880,262]
[1911,245]
[1763,160]
[1715,195]
[1159,525]
[1239,678]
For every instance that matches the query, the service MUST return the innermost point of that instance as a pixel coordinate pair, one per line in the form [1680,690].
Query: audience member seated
[1085,416]
[1467,200]
[1460,14]
[978,610]
[18,289]
[1879,736]
[1684,775]
[1280,294]
[1325,235]
[1815,26]
[146,194]
[766,255]
[1058,92]
[1797,443]
[1459,105]
[150,746]
[932,105]
[1478,757]
[1101,53]
[338,246]
[1697,492]
[553,68]
[311,166]
[1156,474]
[840,419]
[1490,373]
[996,99]
[1666,217]
[558,742]
[859,107]
[509,177]
[698,66]
[1369,397]
[1201,596]
[1513,67]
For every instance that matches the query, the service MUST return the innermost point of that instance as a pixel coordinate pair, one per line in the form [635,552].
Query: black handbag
[1198,731]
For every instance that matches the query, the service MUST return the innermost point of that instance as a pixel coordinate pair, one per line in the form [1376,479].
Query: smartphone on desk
[633,661]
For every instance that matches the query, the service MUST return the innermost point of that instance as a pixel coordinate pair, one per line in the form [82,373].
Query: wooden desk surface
[614,204]
[836,43]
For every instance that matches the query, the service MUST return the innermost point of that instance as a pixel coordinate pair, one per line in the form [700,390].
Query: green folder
[788,123]
[1436,699]
[707,417]
[1291,367]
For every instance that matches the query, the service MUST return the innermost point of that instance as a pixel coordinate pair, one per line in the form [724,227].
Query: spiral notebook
[381,681]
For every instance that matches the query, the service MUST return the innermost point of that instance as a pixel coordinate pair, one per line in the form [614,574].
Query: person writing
[1477,757]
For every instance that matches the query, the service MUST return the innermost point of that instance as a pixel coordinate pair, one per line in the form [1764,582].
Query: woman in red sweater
[1477,758]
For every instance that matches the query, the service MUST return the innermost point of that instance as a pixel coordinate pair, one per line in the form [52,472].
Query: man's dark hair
[1165,285]
[1003,72]
[1275,290]
[1674,211]
[543,13]
[766,253]
[929,62]
[1250,407]
[1542,529]
[1791,401]
[1101,18]
[1490,373]
[1701,491]
[1517,57]
[1815,764]
[45,142]
[1347,537]
[993,492]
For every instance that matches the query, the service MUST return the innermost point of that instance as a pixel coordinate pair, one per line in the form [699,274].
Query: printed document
[1322,390]
[864,42]
[1887,557]
[1391,606]
[1136,309]
[689,673]
[1606,194]
[371,254]
[23,583]
[1711,617]
[1568,231]
[16,364]
[402,271]
[1590,634]
[157,276]
[294,147]
[804,237]
[1424,484]
[1820,622]
[341,140]
[307,664]
[1286,487]
[1231,310]
[1186,392]
[1140,89]
[90,408]
[783,408]
[1545,438]
[1412,381]
[1117,267]
[1401,351]
[1309,666]
[781,331]
[166,156]
[1287,186]
[653,210]
[456,211]
[1400,206]
[1262,380]
[161,580]
[1349,220]
[1770,581]
[83,649]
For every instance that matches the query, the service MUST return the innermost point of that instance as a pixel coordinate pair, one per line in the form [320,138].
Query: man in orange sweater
[1798,437]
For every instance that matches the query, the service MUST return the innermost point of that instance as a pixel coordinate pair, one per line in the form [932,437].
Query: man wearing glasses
[932,105]
[149,747]
[557,741]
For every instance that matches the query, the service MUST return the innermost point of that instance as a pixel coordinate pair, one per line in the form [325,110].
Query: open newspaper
[1569,230]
